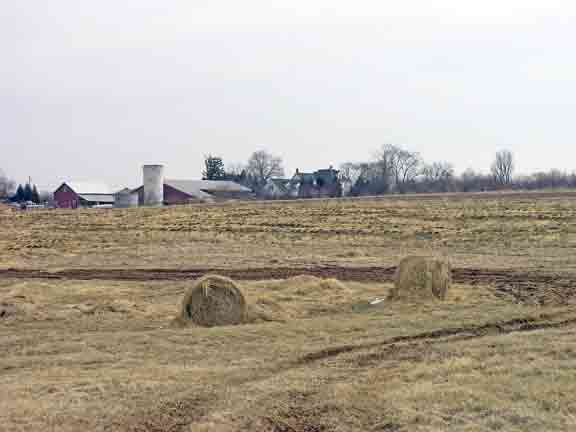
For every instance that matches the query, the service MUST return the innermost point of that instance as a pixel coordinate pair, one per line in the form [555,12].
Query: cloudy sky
[94,89]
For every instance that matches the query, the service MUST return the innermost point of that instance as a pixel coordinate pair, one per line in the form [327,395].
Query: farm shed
[187,191]
[83,194]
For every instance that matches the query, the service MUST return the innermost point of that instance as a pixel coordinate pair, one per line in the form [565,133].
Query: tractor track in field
[522,286]
[345,273]
[185,413]
[548,321]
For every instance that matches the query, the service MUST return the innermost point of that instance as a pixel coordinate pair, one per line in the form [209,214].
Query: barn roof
[97,197]
[188,187]
[193,186]
[85,187]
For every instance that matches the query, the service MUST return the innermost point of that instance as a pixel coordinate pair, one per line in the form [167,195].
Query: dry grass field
[87,300]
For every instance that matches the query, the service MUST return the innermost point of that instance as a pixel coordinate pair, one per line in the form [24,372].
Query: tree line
[255,173]
[26,193]
[7,186]
[20,193]
[394,169]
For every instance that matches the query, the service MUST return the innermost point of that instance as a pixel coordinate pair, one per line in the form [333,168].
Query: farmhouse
[190,191]
[323,183]
[83,194]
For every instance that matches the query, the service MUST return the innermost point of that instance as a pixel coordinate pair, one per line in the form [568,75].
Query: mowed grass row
[292,232]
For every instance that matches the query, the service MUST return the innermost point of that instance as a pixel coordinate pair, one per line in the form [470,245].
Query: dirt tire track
[362,274]
[516,325]
[391,348]
[527,287]
[359,274]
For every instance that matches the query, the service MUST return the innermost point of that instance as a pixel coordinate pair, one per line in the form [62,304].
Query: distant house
[280,188]
[83,194]
[323,183]
[197,191]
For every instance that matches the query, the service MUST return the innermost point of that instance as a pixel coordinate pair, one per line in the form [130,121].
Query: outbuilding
[200,191]
[73,195]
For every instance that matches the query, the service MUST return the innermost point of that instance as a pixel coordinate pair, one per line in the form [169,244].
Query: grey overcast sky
[94,89]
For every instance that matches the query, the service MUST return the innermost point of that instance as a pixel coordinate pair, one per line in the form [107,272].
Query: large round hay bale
[213,301]
[422,278]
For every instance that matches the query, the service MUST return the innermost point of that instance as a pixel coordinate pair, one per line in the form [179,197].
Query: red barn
[190,191]
[76,194]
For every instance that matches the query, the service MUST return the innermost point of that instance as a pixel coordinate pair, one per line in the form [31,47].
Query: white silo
[153,185]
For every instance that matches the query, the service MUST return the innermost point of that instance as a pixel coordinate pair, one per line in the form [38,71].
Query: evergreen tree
[19,197]
[35,195]
[213,168]
[27,192]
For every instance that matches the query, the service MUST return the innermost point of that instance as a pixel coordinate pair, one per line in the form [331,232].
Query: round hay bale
[421,278]
[213,301]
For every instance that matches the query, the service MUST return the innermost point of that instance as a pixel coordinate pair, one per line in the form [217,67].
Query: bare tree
[438,176]
[235,169]
[382,171]
[502,168]
[437,171]
[369,178]
[407,167]
[262,166]
[348,176]
[7,186]
[350,172]
[398,166]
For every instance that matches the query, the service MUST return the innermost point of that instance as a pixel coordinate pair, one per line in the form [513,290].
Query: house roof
[84,187]
[304,177]
[310,178]
[329,171]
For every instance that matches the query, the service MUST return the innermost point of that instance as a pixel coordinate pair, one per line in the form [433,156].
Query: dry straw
[310,285]
[213,301]
[265,310]
[422,278]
